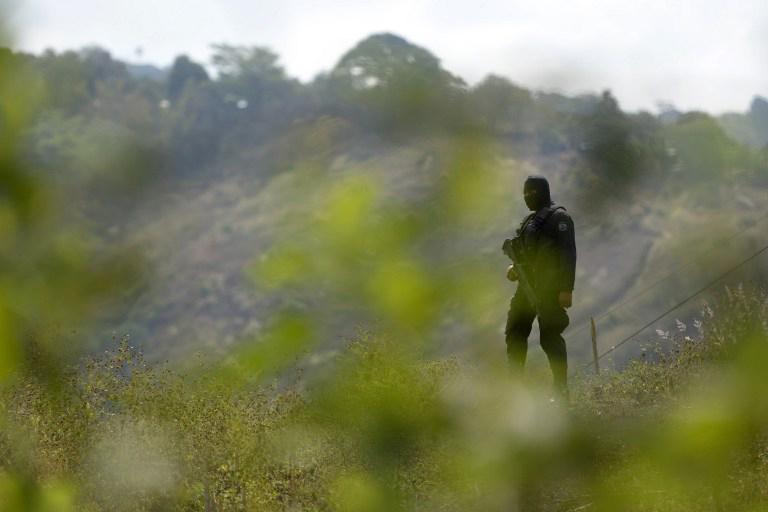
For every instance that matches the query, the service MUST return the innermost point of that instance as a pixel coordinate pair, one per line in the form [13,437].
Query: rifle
[514,250]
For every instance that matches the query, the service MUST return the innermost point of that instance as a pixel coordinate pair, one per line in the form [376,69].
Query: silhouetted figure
[544,264]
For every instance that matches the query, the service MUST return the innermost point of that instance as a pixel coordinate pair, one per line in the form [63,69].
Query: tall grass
[682,429]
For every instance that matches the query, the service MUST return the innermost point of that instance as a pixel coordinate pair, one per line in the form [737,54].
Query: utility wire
[679,304]
[683,265]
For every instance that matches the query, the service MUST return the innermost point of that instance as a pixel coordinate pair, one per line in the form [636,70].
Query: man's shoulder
[560,220]
[554,212]
[561,214]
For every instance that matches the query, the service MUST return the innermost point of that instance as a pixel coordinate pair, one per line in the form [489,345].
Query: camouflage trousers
[552,322]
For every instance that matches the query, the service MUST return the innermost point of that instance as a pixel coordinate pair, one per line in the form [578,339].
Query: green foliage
[44,256]
[502,106]
[607,142]
[101,68]
[194,136]
[385,85]
[51,276]
[750,128]
[398,86]
[133,437]
[246,63]
[251,74]
[184,71]
[703,149]
[682,429]
[758,117]
[91,152]
[66,79]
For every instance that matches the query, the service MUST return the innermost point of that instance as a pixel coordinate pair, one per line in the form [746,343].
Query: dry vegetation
[681,429]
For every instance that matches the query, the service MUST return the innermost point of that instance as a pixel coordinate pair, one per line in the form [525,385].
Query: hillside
[202,240]
[204,177]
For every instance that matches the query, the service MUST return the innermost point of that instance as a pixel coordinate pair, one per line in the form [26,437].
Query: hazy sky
[708,54]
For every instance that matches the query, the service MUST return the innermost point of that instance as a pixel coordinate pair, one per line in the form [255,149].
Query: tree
[246,62]
[703,149]
[758,119]
[101,67]
[66,79]
[251,74]
[184,71]
[398,85]
[607,143]
[258,96]
[502,106]
[197,125]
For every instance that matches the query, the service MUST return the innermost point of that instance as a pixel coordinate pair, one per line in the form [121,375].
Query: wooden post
[594,346]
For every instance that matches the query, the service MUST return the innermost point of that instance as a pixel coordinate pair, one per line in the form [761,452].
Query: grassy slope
[388,433]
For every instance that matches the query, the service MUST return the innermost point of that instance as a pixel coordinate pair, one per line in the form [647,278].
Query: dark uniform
[549,260]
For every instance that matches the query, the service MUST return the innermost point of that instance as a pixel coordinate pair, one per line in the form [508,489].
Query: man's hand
[512,273]
[506,247]
[565,299]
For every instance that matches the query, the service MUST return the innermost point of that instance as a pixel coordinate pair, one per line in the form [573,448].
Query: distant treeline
[179,121]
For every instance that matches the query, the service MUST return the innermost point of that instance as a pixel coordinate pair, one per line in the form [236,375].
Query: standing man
[544,264]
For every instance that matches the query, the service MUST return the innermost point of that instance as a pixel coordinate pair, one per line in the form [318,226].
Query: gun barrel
[512,249]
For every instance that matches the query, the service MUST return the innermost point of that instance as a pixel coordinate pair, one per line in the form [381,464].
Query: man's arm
[512,248]
[565,242]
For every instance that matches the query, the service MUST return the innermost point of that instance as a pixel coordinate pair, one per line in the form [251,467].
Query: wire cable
[678,305]
[683,265]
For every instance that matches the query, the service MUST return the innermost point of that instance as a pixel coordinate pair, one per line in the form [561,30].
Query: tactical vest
[531,229]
